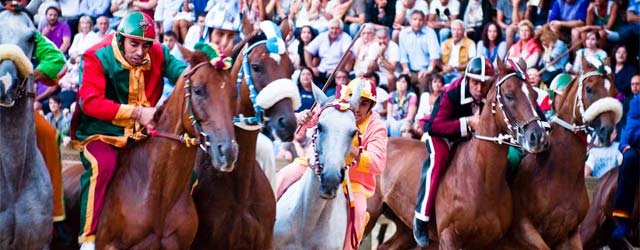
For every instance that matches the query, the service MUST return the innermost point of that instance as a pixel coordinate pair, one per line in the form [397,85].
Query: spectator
[441,13]
[183,20]
[623,72]
[566,15]
[387,61]
[329,47]
[476,14]
[630,32]
[71,14]
[297,46]
[590,50]
[364,51]
[69,85]
[119,9]
[164,15]
[602,16]
[508,19]
[145,6]
[543,97]
[298,148]
[427,100]
[404,12]
[170,40]
[492,46]
[355,17]
[94,8]
[103,27]
[526,48]
[59,118]
[401,106]
[419,50]
[58,32]
[456,52]
[305,82]
[381,13]
[602,159]
[552,47]
[195,33]
[309,12]
[83,40]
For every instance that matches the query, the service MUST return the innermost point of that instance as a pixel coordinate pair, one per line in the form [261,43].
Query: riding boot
[618,237]
[421,232]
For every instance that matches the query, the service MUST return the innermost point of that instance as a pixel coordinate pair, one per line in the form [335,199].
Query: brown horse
[550,197]
[236,209]
[488,196]
[148,204]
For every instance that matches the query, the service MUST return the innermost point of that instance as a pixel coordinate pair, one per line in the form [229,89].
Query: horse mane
[256,38]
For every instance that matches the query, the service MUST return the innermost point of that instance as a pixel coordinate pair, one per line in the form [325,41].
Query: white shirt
[452,5]
[82,42]
[420,5]
[193,36]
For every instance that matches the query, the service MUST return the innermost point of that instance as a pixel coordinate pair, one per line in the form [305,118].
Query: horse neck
[568,108]
[496,167]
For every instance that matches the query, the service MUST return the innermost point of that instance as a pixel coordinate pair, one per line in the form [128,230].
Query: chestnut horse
[148,204]
[480,216]
[236,210]
[597,226]
[549,193]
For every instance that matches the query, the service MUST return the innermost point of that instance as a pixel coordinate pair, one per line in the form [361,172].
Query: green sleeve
[51,59]
[173,67]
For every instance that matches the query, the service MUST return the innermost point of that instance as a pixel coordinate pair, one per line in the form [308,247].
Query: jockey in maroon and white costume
[454,117]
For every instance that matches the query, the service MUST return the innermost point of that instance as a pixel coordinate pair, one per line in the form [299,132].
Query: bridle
[253,122]
[516,129]
[201,139]
[316,166]
[578,104]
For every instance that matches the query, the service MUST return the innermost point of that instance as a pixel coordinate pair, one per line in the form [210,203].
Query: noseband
[203,139]
[516,130]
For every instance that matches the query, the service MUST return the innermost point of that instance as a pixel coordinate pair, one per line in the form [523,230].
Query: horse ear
[586,66]
[247,27]
[321,97]
[523,64]
[186,53]
[356,94]
[501,66]
[285,28]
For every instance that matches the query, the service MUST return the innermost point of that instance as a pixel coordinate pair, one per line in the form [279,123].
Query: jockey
[372,159]
[121,82]
[222,23]
[629,169]
[455,115]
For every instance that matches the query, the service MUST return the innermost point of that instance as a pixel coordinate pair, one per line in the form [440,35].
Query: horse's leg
[573,243]
[448,239]
[529,237]
[401,239]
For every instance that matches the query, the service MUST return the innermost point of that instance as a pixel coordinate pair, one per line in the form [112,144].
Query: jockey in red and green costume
[118,88]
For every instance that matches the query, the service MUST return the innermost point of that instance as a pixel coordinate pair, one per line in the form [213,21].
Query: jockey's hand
[303,117]
[473,122]
[145,116]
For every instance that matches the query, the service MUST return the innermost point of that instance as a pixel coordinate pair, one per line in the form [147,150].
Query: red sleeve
[446,123]
[92,92]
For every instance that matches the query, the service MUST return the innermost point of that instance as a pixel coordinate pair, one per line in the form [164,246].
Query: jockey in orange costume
[372,159]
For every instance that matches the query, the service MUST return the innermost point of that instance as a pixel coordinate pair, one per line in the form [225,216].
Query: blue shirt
[558,48]
[634,6]
[601,160]
[562,11]
[418,49]
[95,8]
[306,98]
[631,133]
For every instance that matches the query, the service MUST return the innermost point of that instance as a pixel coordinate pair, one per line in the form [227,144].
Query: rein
[317,168]
[515,129]
[203,140]
[578,104]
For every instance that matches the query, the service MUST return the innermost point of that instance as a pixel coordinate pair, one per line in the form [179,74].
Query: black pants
[628,174]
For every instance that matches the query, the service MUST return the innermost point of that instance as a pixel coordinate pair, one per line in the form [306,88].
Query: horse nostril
[532,137]
[281,122]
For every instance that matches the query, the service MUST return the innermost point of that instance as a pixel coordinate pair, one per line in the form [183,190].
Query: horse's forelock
[197,57]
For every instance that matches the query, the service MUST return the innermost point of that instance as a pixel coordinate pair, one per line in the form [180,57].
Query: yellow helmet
[368,89]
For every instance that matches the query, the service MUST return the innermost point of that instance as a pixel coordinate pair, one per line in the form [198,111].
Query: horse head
[18,41]
[267,70]
[594,103]
[519,114]
[334,134]
[207,90]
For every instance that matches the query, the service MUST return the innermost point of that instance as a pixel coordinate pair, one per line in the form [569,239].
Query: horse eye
[589,90]
[198,90]
[255,67]
[508,97]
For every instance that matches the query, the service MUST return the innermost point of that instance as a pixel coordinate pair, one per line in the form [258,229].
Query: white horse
[312,213]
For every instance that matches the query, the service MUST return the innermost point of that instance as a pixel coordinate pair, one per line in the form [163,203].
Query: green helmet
[137,25]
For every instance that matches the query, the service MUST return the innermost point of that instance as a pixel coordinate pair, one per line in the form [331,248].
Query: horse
[547,216]
[26,190]
[236,210]
[483,179]
[312,213]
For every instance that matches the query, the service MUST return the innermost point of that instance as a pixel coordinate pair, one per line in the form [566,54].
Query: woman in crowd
[83,40]
[526,48]
[297,45]
[428,99]
[552,48]
[623,72]
[492,45]
[590,51]
[401,106]
[305,82]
